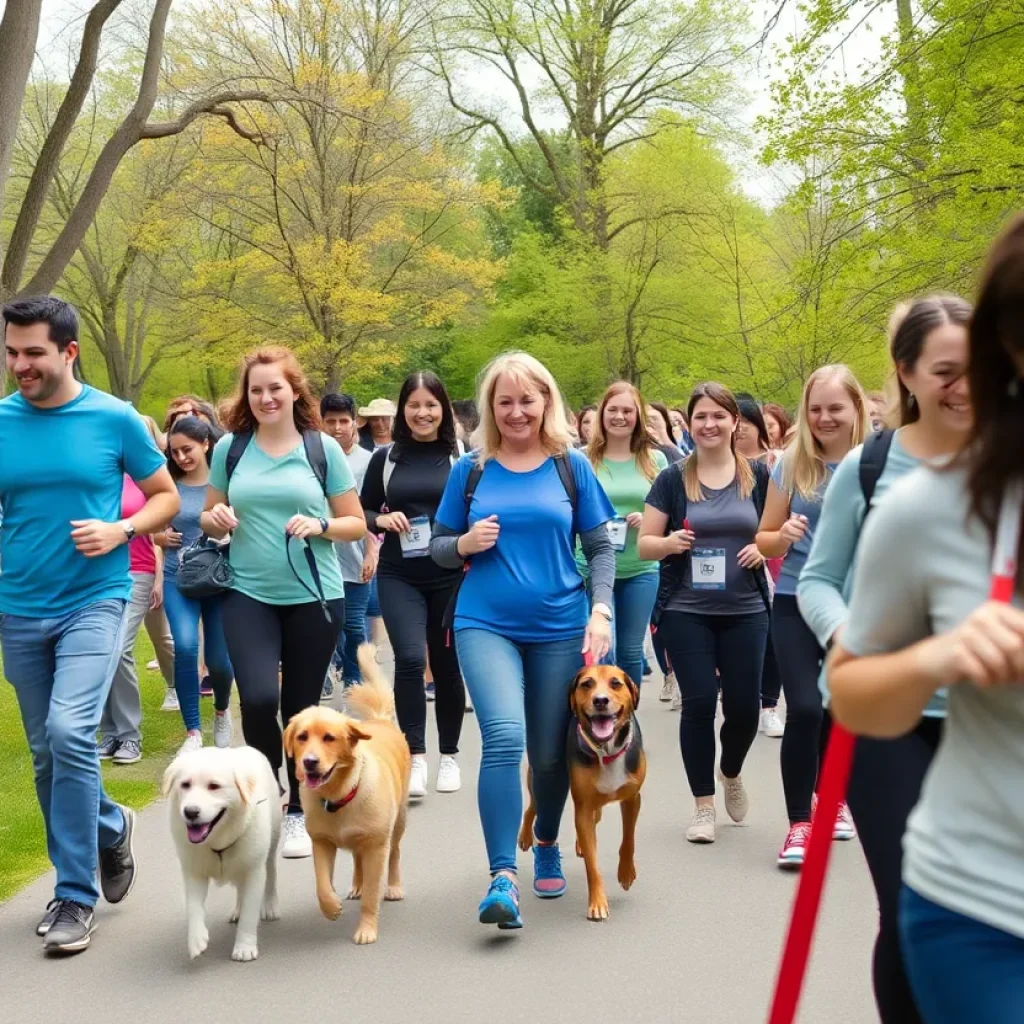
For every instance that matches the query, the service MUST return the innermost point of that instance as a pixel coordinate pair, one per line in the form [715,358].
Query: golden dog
[355,791]
[607,764]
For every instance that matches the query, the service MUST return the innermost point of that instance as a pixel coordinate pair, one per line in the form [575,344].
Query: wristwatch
[602,609]
[129,529]
[323,525]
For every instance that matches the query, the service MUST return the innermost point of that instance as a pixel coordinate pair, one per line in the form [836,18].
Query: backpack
[312,440]
[873,457]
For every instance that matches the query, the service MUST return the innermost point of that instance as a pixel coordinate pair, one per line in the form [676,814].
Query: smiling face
[747,441]
[831,414]
[774,429]
[678,422]
[711,425]
[207,794]
[518,410]
[271,397]
[186,452]
[586,427]
[620,416]
[42,371]
[323,743]
[423,414]
[938,381]
[602,698]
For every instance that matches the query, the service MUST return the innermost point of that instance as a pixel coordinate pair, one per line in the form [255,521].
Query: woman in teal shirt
[626,460]
[277,613]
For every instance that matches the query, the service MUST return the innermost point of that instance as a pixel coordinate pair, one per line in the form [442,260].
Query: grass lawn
[22,840]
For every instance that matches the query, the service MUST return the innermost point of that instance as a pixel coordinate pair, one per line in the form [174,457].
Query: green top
[265,494]
[626,488]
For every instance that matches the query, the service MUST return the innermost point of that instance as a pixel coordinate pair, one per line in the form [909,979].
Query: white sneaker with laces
[667,688]
[418,776]
[677,696]
[193,741]
[771,723]
[702,825]
[106,748]
[737,803]
[170,700]
[449,777]
[295,841]
[222,729]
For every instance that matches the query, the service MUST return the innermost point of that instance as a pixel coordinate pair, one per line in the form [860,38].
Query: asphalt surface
[696,939]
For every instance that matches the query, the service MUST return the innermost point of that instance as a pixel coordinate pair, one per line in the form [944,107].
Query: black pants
[771,680]
[697,646]
[414,616]
[261,637]
[885,786]
[803,744]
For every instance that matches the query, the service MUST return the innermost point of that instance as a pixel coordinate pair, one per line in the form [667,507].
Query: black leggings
[771,680]
[414,616]
[698,645]
[261,637]
[803,744]
[885,786]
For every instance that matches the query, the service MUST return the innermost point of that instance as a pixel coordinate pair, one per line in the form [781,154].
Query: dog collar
[336,805]
[603,758]
[223,850]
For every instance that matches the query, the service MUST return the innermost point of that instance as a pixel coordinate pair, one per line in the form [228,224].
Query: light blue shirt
[57,465]
[810,508]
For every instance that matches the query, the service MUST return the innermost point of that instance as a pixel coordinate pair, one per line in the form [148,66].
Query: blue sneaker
[548,880]
[501,904]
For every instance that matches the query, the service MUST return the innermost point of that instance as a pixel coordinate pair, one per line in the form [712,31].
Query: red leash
[834,778]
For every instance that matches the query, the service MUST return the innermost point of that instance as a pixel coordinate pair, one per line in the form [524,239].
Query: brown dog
[355,792]
[607,764]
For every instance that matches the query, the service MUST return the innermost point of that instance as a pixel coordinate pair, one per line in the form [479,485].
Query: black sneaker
[71,930]
[48,918]
[117,863]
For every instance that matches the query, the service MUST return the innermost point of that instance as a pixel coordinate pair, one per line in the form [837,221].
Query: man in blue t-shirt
[63,589]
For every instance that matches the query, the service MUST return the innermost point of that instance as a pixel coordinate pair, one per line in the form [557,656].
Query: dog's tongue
[314,781]
[602,728]
[197,833]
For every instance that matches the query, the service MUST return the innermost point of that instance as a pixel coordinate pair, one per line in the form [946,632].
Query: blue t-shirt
[527,587]
[799,506]
[57,465]
[186,522]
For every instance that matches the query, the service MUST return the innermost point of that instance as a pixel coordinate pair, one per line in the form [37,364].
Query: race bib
[709,568]
[617,532]
[416,543]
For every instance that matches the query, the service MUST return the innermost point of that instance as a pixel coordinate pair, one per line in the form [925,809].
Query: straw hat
[378,407]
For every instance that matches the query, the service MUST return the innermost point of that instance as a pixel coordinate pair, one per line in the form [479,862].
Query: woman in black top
[401,491]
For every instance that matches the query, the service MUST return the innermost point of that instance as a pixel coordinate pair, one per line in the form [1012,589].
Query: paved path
[697,938]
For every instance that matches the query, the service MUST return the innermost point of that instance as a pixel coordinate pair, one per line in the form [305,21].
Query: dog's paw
[270,911]
[198,940]
[331,907]
[394,893]
[354,893]
[598,909]
[365,934]
[627,873]
[245,950]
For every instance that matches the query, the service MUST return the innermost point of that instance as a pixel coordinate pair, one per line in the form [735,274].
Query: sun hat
[378,407]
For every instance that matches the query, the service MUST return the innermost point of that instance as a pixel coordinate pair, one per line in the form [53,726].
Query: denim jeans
[183,614]
[520,695]
[633,604]
[61,671]
[960,969]
[357,596]
[122,714]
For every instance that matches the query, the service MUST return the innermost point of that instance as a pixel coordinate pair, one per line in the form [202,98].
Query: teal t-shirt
[265,493]
[57,465]
[626,488]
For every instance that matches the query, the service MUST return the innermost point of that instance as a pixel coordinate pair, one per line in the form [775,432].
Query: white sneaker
[771,724]
[170,700]
[677,697]
[667,688]
[193,741]
[295,841]
[449,778]
[152,666]
[702,826]
[222,730]
[418,776]
[737,803]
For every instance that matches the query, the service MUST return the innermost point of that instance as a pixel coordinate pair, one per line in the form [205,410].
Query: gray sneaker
[128,752]
[48,918]
[71,930]
[117,863]
[106,748]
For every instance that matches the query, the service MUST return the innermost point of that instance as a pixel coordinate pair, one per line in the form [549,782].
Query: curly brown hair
[239,416]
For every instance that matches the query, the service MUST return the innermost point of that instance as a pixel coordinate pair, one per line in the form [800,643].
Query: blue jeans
[960,969]
[357,596]
[61,670]
[183,615]
[372,604]
[633,604]
[520,694]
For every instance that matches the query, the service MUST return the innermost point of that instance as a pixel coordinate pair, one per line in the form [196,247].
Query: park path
[696,939]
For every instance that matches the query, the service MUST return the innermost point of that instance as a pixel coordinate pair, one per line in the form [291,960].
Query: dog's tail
[373,697]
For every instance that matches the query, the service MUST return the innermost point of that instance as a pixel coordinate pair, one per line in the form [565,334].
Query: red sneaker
[844,828]
[791,856]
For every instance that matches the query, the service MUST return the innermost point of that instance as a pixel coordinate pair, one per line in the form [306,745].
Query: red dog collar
[336,805]
[604,758]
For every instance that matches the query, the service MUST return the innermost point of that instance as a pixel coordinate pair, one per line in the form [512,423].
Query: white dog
[225,812]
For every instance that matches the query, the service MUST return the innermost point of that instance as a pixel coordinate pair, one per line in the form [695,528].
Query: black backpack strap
[563,463]
[762,477]
[472,481]
[313,442]
[239,442]
[873,457]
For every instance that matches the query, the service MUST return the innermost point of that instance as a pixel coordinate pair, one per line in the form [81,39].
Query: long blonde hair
[723,397]
[804,469]
[641,444]
[531,375]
